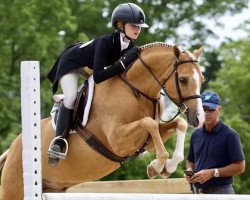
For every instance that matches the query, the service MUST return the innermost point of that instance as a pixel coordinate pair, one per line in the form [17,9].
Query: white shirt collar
[124,45]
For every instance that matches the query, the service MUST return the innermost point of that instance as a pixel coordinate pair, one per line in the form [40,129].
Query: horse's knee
[182,125]
[149,123]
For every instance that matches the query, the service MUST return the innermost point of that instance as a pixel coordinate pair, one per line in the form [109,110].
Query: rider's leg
[69,87]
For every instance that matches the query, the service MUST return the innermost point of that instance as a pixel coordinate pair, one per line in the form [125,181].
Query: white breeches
[69,84]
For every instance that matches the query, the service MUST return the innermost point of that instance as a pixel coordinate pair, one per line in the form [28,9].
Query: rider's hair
[119,25]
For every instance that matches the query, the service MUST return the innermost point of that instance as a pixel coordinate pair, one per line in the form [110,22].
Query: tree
[40,30]
[232,82]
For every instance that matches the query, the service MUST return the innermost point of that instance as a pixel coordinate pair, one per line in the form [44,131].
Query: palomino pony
[124,117]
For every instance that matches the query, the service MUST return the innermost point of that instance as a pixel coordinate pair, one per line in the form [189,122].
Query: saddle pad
[58,98]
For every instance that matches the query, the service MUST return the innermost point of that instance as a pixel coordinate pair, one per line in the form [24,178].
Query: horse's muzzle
[192,118]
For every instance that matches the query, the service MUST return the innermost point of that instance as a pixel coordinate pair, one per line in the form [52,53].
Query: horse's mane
[162,44]
[155,44]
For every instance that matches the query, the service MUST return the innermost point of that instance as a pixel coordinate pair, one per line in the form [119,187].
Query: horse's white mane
[155,44]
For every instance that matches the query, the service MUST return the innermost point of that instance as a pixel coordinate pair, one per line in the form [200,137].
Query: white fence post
[31,130]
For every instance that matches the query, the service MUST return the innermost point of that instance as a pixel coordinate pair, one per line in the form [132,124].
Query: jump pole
[137,196]
[31,153]
[31,130]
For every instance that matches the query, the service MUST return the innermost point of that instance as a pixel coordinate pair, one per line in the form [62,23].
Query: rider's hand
[129,57]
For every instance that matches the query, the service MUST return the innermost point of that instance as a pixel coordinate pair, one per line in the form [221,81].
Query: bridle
[182,107]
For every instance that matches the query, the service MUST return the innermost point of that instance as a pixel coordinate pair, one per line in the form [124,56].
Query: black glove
[130,56]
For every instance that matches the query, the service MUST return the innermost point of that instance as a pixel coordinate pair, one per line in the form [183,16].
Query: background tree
[232,83]
[40,30]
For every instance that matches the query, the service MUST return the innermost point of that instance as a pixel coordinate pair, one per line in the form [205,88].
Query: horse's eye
[183,80]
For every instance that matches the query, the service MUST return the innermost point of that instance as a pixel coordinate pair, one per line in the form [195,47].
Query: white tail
[3,158]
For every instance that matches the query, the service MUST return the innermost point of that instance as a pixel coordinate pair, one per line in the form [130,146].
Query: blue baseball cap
[210,99]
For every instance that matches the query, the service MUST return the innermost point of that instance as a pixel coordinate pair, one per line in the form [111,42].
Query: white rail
[123,196]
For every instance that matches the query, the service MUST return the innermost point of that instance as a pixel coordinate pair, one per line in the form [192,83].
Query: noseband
[182,107]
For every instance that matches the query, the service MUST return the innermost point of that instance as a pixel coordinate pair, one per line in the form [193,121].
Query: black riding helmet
[129,13]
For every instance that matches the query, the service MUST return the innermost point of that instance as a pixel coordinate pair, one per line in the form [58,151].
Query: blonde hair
[119,25]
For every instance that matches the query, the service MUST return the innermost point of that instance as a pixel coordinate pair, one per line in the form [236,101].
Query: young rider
[101,55]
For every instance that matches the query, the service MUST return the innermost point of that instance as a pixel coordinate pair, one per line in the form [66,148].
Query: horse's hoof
[164,173]
[53,161]
[151,172]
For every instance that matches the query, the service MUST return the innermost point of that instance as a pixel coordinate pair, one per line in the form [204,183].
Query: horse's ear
[198,52]
[177,51]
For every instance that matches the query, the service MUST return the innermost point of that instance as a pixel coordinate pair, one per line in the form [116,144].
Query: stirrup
[53,153]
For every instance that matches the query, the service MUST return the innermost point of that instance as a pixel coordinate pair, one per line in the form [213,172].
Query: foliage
[40,30]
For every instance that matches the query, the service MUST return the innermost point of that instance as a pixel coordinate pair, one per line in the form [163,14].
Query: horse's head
[183,85]
[176,72]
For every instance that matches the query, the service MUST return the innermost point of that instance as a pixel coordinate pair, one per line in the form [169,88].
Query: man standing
[215,154]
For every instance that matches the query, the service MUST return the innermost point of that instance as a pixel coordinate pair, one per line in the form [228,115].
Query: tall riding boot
[57,145]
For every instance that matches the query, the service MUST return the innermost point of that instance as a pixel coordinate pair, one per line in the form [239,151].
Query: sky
[229,30]
[231,23]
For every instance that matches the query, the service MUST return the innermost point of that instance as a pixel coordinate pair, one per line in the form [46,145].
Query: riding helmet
[129,13]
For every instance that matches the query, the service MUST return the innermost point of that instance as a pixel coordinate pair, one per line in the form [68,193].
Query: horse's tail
[3,158]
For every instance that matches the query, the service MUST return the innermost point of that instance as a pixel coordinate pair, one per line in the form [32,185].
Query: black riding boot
[57,145]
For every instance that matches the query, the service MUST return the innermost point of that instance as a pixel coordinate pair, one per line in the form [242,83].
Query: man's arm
[189,165]
[232,169]
[229,170]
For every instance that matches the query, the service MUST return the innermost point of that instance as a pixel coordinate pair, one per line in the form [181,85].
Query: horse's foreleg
[131,132]
[155,167]
[178,154]
[166,131]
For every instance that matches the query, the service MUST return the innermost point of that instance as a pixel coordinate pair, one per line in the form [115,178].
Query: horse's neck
[160,64]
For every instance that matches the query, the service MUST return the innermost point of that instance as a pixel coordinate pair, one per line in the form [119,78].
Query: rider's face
[132,30]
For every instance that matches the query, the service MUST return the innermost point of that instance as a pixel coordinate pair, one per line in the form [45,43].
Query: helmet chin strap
[123,30]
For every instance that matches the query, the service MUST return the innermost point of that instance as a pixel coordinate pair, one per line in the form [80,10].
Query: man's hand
[129,57]
[202,176]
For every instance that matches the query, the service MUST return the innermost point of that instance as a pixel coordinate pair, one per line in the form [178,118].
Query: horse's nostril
[193,118]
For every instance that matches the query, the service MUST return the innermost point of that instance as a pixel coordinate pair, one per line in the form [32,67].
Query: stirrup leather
[58,154]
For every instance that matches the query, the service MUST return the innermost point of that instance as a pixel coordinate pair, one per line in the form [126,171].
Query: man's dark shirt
[216,149]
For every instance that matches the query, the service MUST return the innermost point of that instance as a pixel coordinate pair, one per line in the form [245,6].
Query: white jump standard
[31,130]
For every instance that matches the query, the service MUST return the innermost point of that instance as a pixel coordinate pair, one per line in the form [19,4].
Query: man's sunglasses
[208,109]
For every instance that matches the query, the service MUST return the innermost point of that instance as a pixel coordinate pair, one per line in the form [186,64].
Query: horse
[125,116]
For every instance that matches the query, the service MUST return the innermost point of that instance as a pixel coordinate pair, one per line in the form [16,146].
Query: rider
[105,50]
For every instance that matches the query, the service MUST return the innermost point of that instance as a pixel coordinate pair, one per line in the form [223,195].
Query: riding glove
[129,57]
